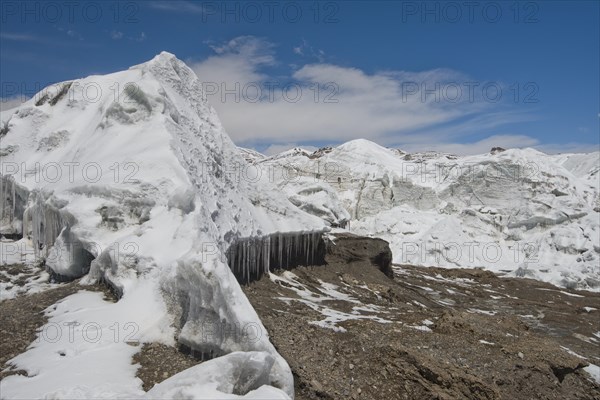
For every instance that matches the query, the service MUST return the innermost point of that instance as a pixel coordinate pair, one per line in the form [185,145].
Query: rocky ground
[361,328]
[349,331]
[158,362]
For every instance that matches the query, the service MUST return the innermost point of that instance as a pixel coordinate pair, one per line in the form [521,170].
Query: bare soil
[158,362]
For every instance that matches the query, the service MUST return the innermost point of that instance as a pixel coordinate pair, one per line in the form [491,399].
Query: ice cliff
[130,178]
[518,212]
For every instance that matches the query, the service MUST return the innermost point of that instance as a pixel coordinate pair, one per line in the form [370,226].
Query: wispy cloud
[46,40]
[20,37]
[69,32]
[116,35]
[331,103]
[139,38]
[177,6]
[306,50]
[74,34]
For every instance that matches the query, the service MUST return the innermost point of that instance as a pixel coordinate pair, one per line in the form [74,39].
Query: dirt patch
[159,362]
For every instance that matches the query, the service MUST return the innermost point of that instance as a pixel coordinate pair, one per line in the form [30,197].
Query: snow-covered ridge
[141,174]
[518,211]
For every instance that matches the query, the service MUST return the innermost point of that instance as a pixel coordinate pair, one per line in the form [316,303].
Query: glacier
[130,179]
[517,212]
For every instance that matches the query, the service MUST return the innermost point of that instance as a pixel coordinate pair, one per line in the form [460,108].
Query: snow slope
[134,170]
[519,212]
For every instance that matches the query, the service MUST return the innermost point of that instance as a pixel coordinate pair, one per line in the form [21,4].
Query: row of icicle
[251,258]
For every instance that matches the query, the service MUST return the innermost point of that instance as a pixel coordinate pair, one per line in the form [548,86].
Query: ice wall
[13,199]
[251,258]
[43,222]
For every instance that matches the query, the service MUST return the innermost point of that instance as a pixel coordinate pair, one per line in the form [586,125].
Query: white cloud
[236,61]
[19,37]
[388,107]
[177,6]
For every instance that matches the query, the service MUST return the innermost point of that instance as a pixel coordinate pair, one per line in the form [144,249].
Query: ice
[316,198]
[30,278]
[14,201]
[153,189]
[67,258]
[16,252]
[422,328]
[594,371]
[251,258]
[519,212]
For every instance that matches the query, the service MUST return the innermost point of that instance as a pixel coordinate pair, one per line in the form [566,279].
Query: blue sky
[410,74]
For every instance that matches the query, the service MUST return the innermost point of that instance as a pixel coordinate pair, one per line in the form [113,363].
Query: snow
[91,341]
[594,371]
[478,311]
[316,198]
[30,278]
[422,328]
[318,302]
[519,212]
[89,338]
[19,252]
[562,292]
[571,352]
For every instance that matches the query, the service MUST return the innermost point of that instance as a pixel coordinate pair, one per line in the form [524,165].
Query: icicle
[280,250]
[289,247]
[251,258]
[13,202]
